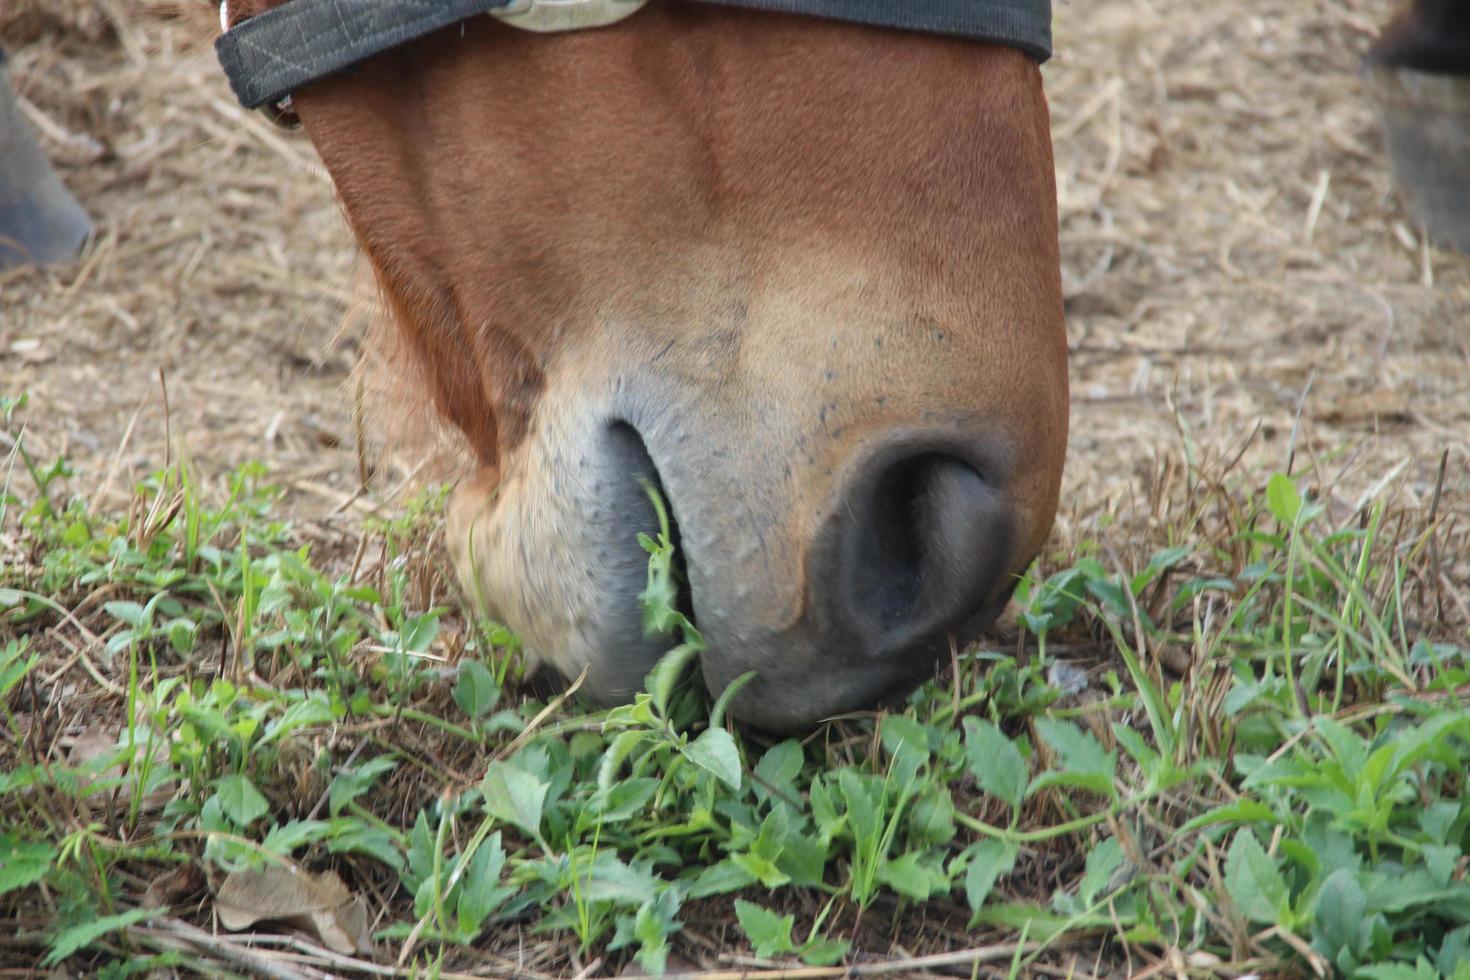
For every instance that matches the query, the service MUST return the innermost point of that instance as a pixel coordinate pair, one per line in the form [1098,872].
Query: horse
[792,264]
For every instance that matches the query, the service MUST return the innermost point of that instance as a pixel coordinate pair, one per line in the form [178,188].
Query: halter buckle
[549,16]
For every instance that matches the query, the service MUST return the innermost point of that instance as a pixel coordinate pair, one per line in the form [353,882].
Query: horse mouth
[661,536]
[630,533]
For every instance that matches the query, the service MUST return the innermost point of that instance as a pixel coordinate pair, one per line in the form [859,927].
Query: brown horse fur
[749,255]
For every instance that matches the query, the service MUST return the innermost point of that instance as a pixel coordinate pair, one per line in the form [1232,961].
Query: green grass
[1295,803]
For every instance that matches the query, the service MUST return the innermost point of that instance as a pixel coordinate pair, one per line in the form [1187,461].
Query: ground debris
[318,904]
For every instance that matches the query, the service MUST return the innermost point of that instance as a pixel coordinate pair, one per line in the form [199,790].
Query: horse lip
[790,704]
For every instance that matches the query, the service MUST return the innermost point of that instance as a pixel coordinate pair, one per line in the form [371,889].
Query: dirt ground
[1234,251]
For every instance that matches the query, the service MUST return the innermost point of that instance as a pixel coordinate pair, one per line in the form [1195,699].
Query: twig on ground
[965,957]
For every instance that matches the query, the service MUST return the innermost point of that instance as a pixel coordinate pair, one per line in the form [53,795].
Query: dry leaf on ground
[317,904]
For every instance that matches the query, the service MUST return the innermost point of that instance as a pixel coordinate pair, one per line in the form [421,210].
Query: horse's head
[801,275]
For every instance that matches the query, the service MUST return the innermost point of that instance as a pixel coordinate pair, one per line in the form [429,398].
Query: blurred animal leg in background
[1418,72]
[40,221]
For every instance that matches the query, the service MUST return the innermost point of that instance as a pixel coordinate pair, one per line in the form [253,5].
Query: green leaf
[1349,749]
[907,744]
[1148,760]
[1161,562]
[774,834]
[79,937]
[714,751]
[1253,881]
[768,932]
[1441,860]
[652,926]
[350,836]
[931,817]
[1332,849]
[1103,861]
[660,614]
[514,796]
[315,709]
[421,852]
[240,800]
[720,878]
[480,889]
[1058,599]
[611,880]
[1454,953]
[824,952]
[1115,599]
[131,613]
[14,668]
[1338,920]
[11,404]
[1159,718]
[1036,923]
[1407,889]
[419,633]
[1080,751]
[1422,969]
[861,797]
[761,868]
[1282,499]
[722,703]
[910,875]
[1244,810]
[624,800]
[803,857]
[23,863]
[349,784]
[284,840]
[181,633]
[475,690]
[776,773]
[1186,591]
[1438,818]
[612,760]
[989,860]
[1092,782]
[664,679]
[995,761]
[823,802]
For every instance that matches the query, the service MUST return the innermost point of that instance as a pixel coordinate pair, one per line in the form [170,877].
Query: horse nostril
[923,551]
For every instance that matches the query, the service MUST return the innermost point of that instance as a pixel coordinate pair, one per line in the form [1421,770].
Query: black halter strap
[268,57]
